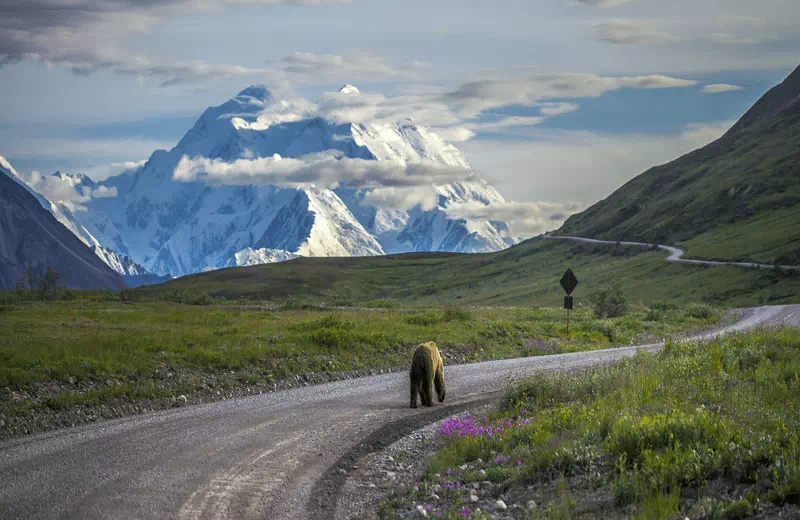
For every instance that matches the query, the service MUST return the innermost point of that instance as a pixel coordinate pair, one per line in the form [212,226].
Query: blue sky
[93,85]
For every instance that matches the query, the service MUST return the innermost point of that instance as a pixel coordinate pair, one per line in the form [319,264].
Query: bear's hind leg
[426,394]
[414,393]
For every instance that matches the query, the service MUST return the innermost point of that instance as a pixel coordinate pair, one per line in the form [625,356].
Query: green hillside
[526,274]
[735,198]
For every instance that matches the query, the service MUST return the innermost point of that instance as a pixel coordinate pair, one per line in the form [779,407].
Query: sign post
[568,282]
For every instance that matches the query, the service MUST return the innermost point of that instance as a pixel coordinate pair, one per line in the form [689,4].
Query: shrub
[331,337]
[457,314]
[701,311]
[425,319]
[329,331]
[609,301]
[661,305]
[653,315]
[382,304]
[607,328]
[129,295]
[739,509]
[187,297]
[345,299]
[328,321]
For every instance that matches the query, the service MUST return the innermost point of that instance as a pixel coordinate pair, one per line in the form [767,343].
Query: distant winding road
[676,255]
[269,456]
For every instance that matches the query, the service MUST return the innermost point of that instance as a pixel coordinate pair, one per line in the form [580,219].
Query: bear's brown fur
[427,369]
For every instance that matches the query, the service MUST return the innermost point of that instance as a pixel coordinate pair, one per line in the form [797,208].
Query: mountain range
[146,222]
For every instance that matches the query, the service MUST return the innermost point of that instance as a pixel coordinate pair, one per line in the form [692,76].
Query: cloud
[729,39]
[526,218]
[89,35]
[472,98]
[720,87]
[456,134]
[511,211]
[65,189]
[305,67]
[603,3]
[631,32]
[327,169]
[54,188]
[33,146]
[578,165]
[457,109]
[402,198]
[103,171]
[104,192]
[557,109]
[373,107]
[467,131]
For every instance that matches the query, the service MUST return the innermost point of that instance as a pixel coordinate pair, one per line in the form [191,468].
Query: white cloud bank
[720,87]
[525,218]
[402,198]
[581,166]
[605,4]
[631,32]
[328,169]
[62,189]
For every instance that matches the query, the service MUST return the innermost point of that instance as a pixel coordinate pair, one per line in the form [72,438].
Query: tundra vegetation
[697,430]
[526,274]
[110,348]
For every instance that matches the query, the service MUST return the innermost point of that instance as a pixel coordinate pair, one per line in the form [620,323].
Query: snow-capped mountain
[168,226]
[134,274]
[249,256]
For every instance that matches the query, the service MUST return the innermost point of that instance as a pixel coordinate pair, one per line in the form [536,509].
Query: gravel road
[676,254]
[271,456]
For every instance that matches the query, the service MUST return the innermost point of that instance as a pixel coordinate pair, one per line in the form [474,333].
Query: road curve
[676,254]
[256,457]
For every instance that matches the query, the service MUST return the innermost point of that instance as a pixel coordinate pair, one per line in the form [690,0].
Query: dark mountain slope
[750,173]
[31,237]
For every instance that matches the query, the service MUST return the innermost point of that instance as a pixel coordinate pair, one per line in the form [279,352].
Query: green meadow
[97,350]
[698,430]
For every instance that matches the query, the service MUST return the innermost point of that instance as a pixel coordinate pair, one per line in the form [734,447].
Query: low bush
[609,301]
[187,297]
[425,319]
[662,305]
[457,314]
[130,296]
[701,311]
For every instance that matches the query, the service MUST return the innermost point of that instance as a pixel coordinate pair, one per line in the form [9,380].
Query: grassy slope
[698,431]
[526,274]
[738,185]
[778,241]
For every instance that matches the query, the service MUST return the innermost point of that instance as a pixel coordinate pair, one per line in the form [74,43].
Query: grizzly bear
[427,369]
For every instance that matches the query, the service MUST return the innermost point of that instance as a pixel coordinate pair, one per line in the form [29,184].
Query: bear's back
[432,351]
